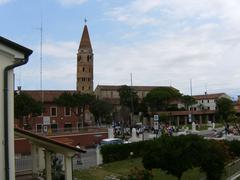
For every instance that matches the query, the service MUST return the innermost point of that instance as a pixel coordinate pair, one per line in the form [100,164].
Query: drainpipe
[19,62]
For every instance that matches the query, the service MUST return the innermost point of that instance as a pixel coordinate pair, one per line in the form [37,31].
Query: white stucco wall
[7,56]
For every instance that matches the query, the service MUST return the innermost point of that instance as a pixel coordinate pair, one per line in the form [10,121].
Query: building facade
[11,55]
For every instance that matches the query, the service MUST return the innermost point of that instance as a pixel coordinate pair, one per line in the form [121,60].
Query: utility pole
[41,60]
[191,116]
[132,107]
[41,63]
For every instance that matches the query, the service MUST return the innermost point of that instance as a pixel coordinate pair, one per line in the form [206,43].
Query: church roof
[136,88]
[209,96]
[85,40]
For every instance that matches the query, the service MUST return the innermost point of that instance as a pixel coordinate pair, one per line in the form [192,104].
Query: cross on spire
[85,20]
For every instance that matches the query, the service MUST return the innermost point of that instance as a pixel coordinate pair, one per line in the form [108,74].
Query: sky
[161,42]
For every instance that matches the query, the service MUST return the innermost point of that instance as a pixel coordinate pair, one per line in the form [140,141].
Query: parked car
[111,141]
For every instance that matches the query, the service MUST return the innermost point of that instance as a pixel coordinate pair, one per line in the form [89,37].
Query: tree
[178,154]
[128,101]
[101,110]
[26,107]
[128,97]
[224,109]
[158,99]
[76,100]
[188,101]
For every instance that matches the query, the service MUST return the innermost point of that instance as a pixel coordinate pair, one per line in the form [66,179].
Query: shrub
[117,152]
[178,154]
[139,174]
[234,147]
[213,160]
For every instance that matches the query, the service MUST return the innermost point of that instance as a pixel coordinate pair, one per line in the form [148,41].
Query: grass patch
[123,168]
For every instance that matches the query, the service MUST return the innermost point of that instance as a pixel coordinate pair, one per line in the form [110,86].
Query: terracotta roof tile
[209,96]
[48,96]
[136,88]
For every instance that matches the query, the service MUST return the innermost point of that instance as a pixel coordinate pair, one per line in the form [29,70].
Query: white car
[111,141]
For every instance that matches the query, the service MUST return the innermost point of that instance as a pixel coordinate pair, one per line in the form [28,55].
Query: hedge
[117,152]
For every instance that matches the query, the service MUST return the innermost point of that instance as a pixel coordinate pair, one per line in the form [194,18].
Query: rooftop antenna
[41,59]
[205,89]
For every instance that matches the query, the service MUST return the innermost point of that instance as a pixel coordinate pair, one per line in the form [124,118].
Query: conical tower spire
[85,64]
[85,42]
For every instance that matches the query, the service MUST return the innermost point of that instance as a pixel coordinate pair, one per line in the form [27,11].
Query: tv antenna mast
[41,60]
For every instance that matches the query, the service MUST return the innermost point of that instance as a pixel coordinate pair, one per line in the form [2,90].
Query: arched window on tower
[88,58]
[79,58]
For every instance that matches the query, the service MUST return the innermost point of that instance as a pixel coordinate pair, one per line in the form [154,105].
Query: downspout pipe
[19,62]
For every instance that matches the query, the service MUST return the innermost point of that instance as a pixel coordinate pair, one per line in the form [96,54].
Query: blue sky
[161,42]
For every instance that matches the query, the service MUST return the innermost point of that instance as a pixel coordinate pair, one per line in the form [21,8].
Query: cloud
[173,60]
[4,2]
[61,50]
[72,2]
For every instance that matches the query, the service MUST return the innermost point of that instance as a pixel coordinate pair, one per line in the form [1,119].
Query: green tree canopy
[128,97]
[178,154]
[224,108]
[158,99]
[25,106]
[188,101]
[101,111]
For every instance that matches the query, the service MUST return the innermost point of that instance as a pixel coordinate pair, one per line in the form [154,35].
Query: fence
[86,160]
[23,163]
[232,169]
[71,130]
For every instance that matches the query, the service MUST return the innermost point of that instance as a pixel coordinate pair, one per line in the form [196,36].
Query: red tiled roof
[208,96]
[48,96]
[136,88]
[52,141]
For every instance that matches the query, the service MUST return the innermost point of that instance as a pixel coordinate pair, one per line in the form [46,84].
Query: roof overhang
[49,144]
[17,47]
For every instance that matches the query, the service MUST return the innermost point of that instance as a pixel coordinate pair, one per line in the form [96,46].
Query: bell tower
[85,64]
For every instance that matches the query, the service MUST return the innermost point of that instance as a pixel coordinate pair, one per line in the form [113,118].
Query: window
[67,111]
[39,128]
[88,58]
[89,69]
[67,127]
[208,100]
[79,58]
[54,127]
[83,69]
[76,110]
[202,101]
[208,108]
[83,88]
[53,111]
[89,88]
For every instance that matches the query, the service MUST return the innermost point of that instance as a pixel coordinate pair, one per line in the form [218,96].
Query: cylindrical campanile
[85,64]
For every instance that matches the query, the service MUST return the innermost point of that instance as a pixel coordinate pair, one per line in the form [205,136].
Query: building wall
[7,56]
[4,61]
[60,119]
